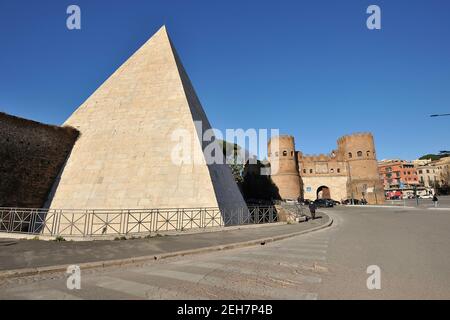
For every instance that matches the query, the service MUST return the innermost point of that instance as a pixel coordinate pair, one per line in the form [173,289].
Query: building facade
[398,174]
[428,175]
[350,171]
[443,171]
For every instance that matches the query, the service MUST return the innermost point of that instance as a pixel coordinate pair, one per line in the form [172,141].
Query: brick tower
[358,151]
[284,168]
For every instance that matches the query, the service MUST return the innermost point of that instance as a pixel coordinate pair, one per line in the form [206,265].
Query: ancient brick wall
[284,167]
[31,156]
[364,182]
[352,169]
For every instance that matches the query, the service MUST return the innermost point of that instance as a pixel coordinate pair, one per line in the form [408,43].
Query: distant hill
[435,157]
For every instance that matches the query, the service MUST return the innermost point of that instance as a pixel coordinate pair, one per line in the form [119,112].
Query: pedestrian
[435,201]
[312,209]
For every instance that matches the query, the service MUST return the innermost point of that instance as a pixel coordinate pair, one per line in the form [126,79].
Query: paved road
[444,202]
[410,247]
[18,254]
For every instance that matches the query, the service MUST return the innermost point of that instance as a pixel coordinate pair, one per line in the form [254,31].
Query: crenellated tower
[284,167]
[358,151]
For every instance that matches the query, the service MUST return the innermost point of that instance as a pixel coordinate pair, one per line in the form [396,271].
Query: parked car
[324,203]
[335,202]
[305,202]
[349,201]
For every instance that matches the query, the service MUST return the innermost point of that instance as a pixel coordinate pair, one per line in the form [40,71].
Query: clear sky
[310,68]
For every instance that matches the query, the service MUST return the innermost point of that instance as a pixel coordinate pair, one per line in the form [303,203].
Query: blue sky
[310,68]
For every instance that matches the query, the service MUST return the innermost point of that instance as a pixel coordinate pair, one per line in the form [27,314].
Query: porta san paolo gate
[350,171]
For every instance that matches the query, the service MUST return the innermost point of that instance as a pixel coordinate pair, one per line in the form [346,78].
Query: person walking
[312,209]
[435,201]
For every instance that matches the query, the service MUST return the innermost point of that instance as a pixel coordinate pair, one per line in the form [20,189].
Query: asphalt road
[19,254]
[410,246]
[444,202]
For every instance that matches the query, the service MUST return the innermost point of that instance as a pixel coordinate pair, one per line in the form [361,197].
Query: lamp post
[440,115]
[415,195]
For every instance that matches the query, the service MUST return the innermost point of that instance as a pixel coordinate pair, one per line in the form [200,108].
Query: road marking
[49,294]
[291,294]
[310,245]
[243,270]
[259,261]
[199,280]
[300,250]
[288,256]
[133,288]
[312,242]
[179,275]
[311,237]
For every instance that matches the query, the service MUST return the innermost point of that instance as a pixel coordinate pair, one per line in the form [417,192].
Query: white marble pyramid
[123,156]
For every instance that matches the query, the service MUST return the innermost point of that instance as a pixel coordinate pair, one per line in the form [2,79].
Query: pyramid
[122,158]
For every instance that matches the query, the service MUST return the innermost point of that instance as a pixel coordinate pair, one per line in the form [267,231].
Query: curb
[20,236]
[25,272]
[396,207]
[380,206]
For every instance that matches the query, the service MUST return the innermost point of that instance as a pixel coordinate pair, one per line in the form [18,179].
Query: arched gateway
[323,192]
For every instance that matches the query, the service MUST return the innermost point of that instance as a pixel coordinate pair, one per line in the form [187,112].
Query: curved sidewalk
[32,257]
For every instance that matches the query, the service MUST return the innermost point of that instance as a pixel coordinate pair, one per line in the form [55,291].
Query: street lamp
[440,115]
[415,195]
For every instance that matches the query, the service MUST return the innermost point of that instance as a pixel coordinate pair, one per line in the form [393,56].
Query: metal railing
[294,208]
[91,223]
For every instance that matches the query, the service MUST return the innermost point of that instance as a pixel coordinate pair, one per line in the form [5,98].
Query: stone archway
[323,192]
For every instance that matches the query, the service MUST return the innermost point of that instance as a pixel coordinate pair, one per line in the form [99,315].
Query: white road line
[318,242]
[309,245]
[199,280]
[49,294]
[178,275]
[298,250]
[288,256]
[324,238]
[133,288]
[283,294]
[242,270]
[259,261]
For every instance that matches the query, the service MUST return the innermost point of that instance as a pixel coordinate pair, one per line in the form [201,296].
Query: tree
[257,187]
[435,157]
[233,157]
